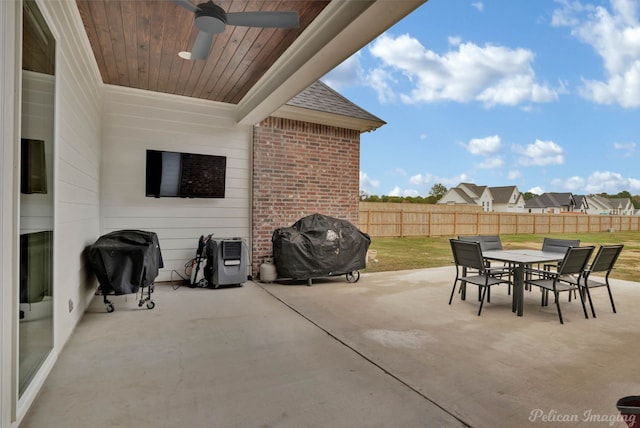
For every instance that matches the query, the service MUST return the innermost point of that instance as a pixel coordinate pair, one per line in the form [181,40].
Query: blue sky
[540,94]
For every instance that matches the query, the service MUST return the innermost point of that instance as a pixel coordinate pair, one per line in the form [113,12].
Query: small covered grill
[125,261]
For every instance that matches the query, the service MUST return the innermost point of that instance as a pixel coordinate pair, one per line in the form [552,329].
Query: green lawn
[417,253]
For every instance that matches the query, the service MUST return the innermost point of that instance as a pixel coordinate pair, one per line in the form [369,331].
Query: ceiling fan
[212,19]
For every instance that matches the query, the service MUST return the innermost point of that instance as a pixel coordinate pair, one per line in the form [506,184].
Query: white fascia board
[341,29]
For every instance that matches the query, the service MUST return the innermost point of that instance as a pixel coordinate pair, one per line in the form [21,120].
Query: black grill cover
[319,245]
[125,260]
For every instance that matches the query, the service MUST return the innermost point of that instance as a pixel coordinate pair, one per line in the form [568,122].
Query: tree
[437,191]
[529,195]
[623,194]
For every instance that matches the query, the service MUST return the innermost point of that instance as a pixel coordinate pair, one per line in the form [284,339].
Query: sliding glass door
[35,329]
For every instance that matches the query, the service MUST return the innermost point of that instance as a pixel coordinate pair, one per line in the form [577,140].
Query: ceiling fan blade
[187,5]
[264,19]
[202,46]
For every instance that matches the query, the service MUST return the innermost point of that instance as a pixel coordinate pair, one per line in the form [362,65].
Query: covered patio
[385,351]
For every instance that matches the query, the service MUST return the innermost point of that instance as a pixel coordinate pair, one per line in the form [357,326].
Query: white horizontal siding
[136,121]
[78,95]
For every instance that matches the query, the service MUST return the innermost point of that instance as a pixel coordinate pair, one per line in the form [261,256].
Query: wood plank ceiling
[136,44]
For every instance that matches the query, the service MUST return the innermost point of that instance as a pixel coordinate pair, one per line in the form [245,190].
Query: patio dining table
[521,259]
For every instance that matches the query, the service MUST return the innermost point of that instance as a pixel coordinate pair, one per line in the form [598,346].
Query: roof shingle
[320,97]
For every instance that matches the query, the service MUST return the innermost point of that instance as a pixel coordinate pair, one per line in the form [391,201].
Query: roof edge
[323,118]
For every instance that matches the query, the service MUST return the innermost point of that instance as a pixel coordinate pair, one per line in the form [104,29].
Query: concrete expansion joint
[364,357]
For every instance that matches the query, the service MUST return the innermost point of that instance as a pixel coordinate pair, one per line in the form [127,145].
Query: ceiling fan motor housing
[211,18]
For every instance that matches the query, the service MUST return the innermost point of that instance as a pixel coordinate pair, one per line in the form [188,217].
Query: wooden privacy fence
[410,220]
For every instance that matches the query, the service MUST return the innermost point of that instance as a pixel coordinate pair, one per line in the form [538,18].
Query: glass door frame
[21,402]
[10,84]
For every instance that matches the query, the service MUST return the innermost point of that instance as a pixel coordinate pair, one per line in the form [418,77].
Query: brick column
[301,168]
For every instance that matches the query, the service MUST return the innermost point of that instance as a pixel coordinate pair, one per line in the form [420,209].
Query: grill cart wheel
[353,276]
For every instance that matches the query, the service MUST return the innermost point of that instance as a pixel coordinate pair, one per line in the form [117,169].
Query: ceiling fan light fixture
[210,18]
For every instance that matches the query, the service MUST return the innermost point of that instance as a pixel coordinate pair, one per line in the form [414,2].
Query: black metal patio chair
[574,262]
[488,243]
[603,262]
[557,245]
[468,255]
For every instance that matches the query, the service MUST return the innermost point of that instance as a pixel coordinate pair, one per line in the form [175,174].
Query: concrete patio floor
[387,351]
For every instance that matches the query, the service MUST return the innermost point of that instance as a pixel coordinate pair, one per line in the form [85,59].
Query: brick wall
[301,168]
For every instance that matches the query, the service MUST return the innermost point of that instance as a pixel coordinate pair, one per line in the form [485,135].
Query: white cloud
[485,146]
[493,75]
[367,183]
[628,149]
[400,171]
[514,175]
[421,180]
[491,163]
[380,80]
[537,190]
[566,16]
[454,40]
[573,184]
[348,73]
[615,36]
[540,153]
[428,180]
[478,5]
[598,182]
[488,147]
[517,89]
[454,181]
[397,191]
[611,182]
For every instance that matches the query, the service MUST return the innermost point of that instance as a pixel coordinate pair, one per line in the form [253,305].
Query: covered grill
[319,245]
[125,261]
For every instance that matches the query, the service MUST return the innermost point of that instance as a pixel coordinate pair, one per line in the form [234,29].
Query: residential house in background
[609,206]
[551,203]
[582,203]
[469,194]
[499,199]
[507,199]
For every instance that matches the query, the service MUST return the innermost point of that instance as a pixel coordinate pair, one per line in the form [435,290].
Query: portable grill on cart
[125,262]
[318,246]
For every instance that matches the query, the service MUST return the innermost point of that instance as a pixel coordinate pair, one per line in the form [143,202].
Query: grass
[418,253]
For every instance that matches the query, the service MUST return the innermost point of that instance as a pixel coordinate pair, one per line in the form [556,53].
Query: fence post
[455,224]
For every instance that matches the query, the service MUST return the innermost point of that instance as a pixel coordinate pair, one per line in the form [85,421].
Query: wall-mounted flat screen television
[185,175]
